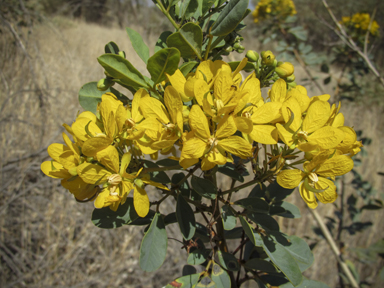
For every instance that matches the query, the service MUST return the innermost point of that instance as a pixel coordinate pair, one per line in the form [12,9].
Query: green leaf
[289,210]
[108,219]
[204,187]
[188,8]
[265,221]
[327,80]
[144,220]
[229,17]
[300,250]
[111,48]
[187,281]
[258,191]
[164,61]
[299,32]
[228,261]
[167,162]
[156,176]
[188,40]
[185,218]
[260,264]
[253,204]
[276,192]
[187,67]
[306,284]
[90,96]
[138,44]
[154,245]
[220,277]
[283,260]
[162,41]
[184,187]
[235,233]
[170,218]
[229,219]
[198,256]
[371,207]
[206,282]
[324,68]
[121,69]
[229,170]
[248,230]
[202,232]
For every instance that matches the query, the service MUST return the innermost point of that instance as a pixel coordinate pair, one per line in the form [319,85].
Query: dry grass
[46,237]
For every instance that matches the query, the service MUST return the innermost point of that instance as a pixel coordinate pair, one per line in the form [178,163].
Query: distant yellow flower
[280,9]
[359,23]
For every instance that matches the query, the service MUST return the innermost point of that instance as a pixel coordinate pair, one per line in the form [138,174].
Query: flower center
[313,178]
[302,135]
[115,179]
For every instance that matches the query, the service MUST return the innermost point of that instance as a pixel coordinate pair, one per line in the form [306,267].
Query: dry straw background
[46,237]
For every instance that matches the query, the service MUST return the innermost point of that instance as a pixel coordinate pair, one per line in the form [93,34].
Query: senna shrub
[197,116]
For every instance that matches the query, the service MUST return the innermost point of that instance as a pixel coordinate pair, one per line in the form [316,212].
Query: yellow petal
[110,126]
[94,145]
[136,112]
[101,198]
[193,148]
[299,93]
[349,139]
[79,188]
[317,160]
[109,157]
[68,159]
[125,160]
[226,127]
[267,113]
[185,163]
[291,106]
[284,134]
[216,157]
[155,184]
[78,128]
[55,150]
[121,116]
[308,197]
[290,179]
[265,134]
[58,170]
[244,124]
[252,85]
[236,146]
[206,164]
[174,104]
[329,195]
[338,121]
[326,137]
[140,201]
[198,122]
[153,108]
[178,82]
[278,91]
[200,89]
[317,115]
[240,67]
[336,166]
[223,89]
[92,173]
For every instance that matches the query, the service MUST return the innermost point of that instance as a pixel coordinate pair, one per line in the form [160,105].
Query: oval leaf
[138,44]
[198,256]
[230,17]
[204,187]
[229,219]
[121,69]
[220,277]
[188,40]
[187,281]
[283,260]
[254,204]
[164,61]
[228,261]
[260,264]
[248,229]
[185,218]
[300,250]
[154,245]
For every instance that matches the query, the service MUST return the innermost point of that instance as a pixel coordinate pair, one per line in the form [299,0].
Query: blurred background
[48,50]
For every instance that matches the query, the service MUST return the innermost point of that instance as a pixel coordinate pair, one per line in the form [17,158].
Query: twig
[351,44]
[334,248]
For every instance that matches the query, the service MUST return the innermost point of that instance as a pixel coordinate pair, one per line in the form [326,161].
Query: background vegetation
[48,50]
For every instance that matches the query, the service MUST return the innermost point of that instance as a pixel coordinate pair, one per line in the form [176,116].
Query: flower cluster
[359,24]
[279,9]
[209,116]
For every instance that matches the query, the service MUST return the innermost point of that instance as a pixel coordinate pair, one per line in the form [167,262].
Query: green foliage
[163,61]
[188,40]
[153,248]
[138,44]
[185,218]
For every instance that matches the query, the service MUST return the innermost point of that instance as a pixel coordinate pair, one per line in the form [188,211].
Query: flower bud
[139,183]
[122,54]
[267,58]
[285,69]
[291,78]
[252,56]
[292,84]
[241,49]
[236,46]
[229,49]
[104,84]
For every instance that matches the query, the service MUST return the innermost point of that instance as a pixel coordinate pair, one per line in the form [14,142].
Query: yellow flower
[280,9]
[213,147]
[314,180]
